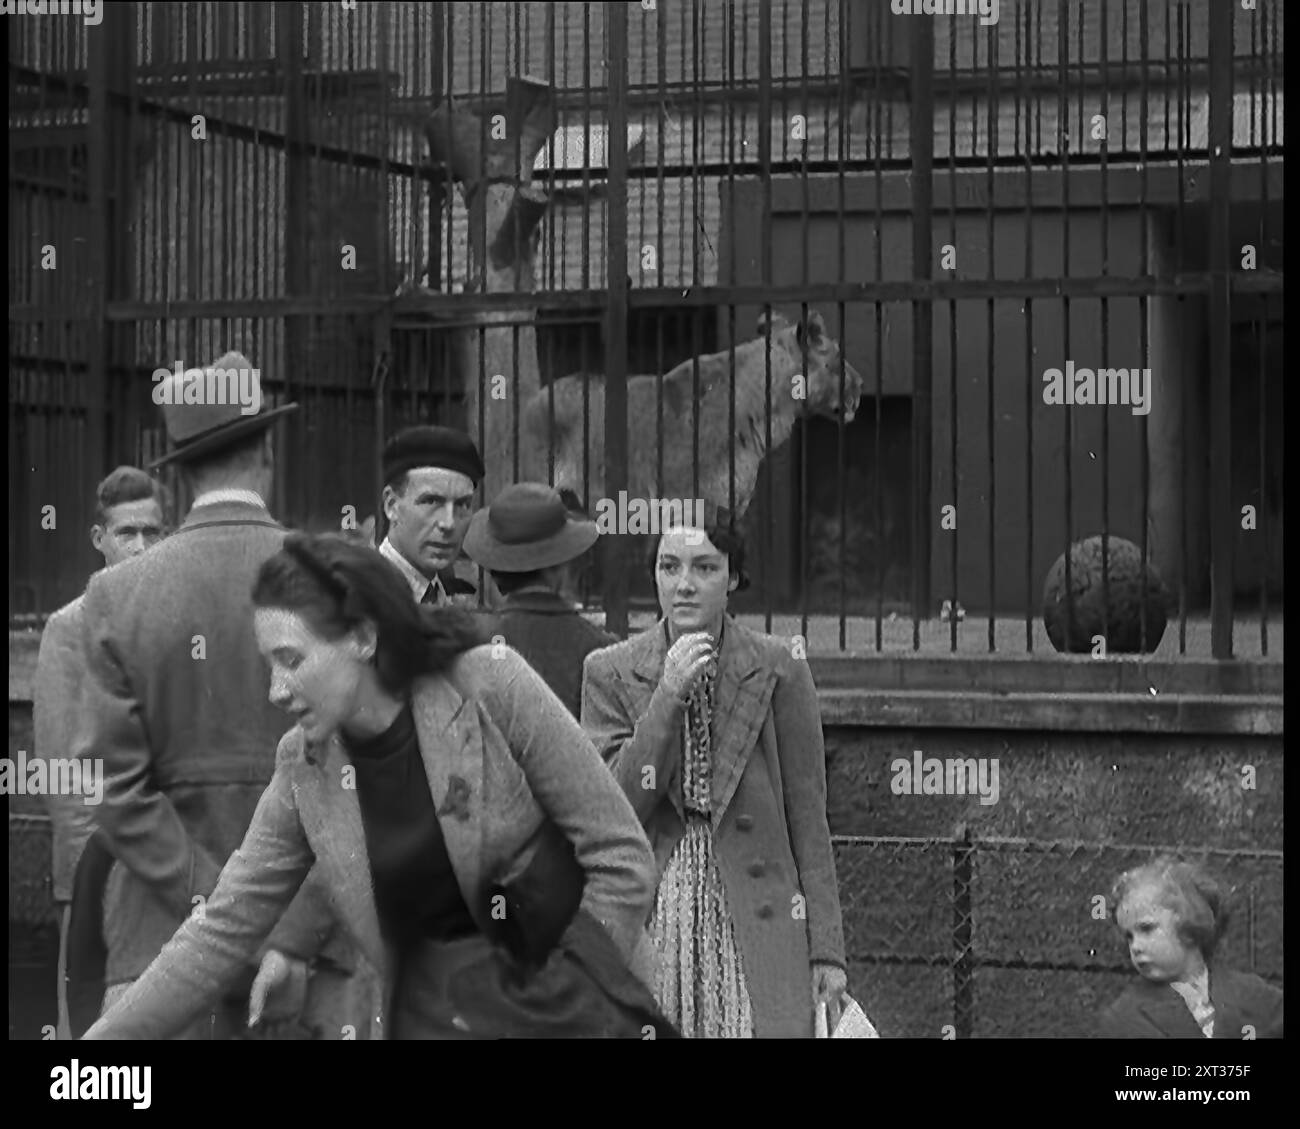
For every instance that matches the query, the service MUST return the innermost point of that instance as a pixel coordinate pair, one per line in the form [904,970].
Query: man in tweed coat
[175,703]
[129,509]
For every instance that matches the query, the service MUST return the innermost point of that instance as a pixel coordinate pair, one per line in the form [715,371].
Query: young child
[1172,915]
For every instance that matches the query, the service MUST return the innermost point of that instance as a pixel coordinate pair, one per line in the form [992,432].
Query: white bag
[853,1023]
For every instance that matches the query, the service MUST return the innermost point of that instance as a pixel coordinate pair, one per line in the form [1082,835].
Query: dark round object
[1121,623]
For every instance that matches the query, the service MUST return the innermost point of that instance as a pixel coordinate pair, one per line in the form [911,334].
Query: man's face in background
[428,516]
[129,529]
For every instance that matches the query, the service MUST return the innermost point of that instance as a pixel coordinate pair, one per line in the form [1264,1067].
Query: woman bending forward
[468,835]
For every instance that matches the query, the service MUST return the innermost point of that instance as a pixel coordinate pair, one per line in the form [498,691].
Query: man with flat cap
[175,702]
[529,541]
[430,475]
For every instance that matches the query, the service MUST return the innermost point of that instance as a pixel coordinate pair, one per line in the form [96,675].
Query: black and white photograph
[676,519]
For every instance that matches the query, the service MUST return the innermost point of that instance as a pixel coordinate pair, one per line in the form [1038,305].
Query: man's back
[553,639]
[176,705]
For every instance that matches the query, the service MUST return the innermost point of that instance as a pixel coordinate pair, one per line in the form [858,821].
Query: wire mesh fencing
[983,937]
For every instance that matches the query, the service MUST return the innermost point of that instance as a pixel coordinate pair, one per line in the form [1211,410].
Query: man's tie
[434,596]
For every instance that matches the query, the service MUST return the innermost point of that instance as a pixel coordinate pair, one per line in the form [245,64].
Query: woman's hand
[686,662]
[279,989]
[829,983]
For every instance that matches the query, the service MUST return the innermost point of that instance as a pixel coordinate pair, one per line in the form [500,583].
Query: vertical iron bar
[484,102]
[952,327]
[1022,68]
[1063,146]
[297,187]
[765,262]
[732,80]
[586,249]
[805,315]
[94,295]
[883,38]
[661,62]
[616,469]
[697,121]
[843,110]
[1184,496]
[1144,313]
[436,183]
[1222,523]
[189,173]
[552,222]
[1265,101]
[991,65]
[1105,327]
[518,249]
[921,147]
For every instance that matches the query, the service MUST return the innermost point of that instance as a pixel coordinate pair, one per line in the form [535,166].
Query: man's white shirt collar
[229,494]
[419,583]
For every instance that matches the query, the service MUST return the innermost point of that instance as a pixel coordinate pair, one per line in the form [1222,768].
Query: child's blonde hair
[1198,901]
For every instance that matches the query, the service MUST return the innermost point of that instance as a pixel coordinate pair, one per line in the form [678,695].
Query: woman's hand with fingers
[686,663]
[829,983]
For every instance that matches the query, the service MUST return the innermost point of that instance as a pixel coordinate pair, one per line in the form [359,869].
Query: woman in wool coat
[714,733]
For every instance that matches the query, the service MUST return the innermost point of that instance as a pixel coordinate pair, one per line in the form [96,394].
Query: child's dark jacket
[1243,1003]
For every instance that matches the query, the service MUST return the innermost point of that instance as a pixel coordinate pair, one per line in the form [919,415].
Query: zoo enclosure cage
[857,145]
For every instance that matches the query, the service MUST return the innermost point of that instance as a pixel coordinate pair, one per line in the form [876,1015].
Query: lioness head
[808,349]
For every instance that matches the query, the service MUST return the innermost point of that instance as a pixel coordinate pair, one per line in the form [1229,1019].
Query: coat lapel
[1165,1009]
[743,691]
[451,743]
[331,818]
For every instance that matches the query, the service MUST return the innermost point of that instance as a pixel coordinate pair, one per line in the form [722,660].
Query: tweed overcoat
[502,756]
[175,703]
[769,800]
[56,690]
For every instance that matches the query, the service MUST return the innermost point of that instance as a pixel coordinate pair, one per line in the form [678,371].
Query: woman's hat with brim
[527,527]
[207,409]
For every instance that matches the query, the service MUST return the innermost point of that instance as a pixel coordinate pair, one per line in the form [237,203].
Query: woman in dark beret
[468,837]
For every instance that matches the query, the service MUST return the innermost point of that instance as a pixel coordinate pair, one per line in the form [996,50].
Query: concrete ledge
[1068,674]
[993,674]
[1189,714]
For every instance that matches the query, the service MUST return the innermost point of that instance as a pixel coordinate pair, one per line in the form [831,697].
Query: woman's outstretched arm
[215,943]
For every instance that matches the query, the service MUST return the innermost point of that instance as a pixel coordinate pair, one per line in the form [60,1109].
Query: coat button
[765,911]
[757,870]
[744,822]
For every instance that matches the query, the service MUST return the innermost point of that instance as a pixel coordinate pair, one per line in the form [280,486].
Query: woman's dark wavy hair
[335,583]
[1199,902]
[720,527]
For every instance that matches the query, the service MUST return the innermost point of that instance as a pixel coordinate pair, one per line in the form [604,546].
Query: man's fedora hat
[527,527]
[205,415]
